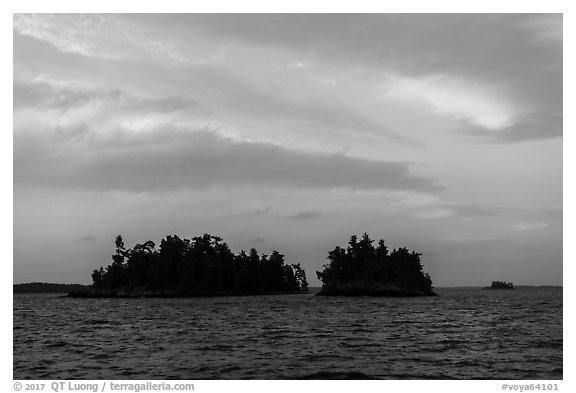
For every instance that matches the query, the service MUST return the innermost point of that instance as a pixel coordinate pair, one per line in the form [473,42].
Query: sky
[288,132]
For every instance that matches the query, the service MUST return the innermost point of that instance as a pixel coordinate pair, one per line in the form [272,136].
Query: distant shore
[44,287]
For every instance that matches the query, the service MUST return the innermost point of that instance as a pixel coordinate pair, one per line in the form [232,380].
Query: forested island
[501,285]
[363,269]
[201,266]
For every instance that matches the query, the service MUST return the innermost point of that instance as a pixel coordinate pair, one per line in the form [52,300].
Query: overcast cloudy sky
[442,133]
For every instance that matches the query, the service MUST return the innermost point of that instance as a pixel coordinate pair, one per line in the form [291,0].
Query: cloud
[43,93]
[105,37]
[483,110]
[493,44]
[82,109]
[536,126]
[463,240]
[263,211]
[466,100]
[298,105]
[547,27]
[223,101]
[497,72]
[172,158]
[528,226]
[435,212]
[474,211]
[307,215]
[491,72]
[433,209]
[87,238]
[553,213]
[79,34]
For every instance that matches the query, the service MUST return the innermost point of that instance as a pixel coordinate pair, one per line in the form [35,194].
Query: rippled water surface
[463,333]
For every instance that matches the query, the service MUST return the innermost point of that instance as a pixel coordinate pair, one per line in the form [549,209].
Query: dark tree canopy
[365,269]
[501,285]
[201,266]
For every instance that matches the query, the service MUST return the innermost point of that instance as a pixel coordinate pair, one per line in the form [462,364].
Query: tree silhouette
[362,269]
[203,265]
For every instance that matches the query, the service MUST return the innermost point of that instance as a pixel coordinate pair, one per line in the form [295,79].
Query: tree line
[205,265]
[202,265]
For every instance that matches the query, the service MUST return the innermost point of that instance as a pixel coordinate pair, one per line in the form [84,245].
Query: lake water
[463,333]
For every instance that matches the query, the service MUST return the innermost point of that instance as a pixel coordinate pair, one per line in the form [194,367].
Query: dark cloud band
[173,158]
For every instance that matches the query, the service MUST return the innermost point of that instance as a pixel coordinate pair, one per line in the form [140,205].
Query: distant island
[364,270]
[201,266]
[501,285]
[44,287]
